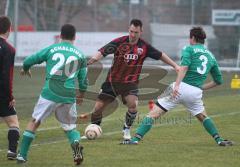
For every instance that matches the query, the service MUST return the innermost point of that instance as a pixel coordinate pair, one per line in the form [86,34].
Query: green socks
[73,135]
[143,128]
[211,129]
[147,122]
[27,139]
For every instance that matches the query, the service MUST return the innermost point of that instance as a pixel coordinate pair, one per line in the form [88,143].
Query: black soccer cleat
[225,143]
[77,152]
[129,142]
[11,155]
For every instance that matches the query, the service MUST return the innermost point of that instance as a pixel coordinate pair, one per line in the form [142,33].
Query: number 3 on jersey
[203,68]
[61,62]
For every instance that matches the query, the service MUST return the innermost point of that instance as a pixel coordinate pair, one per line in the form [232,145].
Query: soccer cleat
[11,155]
[129,142]
[77,152]
[20,159]
[225,143]
[126,134]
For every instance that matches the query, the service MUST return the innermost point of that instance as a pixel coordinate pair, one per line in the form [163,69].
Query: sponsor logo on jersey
[128,57]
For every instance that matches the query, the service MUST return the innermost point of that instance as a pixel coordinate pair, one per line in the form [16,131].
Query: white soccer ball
[93,131]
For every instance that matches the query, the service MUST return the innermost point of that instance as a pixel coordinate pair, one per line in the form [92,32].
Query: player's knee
[132,107]
[96,115]
[68,127]
[13,124]
[12,121]
[33,125]
[154,114]
[132,110]
[201,116]
[98,109]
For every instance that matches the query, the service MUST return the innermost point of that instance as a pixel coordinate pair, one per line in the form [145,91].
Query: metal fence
[166,22]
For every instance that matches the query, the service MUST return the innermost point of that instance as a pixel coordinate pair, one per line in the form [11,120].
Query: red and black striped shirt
[7,55]
[128,59]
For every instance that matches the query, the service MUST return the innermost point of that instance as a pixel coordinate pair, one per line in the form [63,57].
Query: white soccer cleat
[84,137]
[225,143]
[20,159]
[126,134]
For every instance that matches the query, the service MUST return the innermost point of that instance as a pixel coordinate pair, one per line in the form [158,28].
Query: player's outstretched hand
[177,68]
[83,118]
[176,93]
[28,73]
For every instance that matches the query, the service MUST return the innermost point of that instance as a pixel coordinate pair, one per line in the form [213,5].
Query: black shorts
[109,91]
[5,110]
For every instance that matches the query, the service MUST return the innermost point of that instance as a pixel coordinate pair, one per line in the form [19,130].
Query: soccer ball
[93,131]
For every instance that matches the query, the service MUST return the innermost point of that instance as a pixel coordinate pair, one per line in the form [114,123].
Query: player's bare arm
[181,74]
[95,58]
[166,59]
[79,97]
[209,85]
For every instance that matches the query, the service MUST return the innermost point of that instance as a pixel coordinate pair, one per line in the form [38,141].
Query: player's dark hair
[136,23]
[199,34]
[5,24]
[68,32]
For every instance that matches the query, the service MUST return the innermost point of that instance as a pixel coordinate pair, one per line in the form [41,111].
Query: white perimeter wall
[88,42]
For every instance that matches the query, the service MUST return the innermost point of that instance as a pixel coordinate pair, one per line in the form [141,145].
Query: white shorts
[65,112]
[190,97]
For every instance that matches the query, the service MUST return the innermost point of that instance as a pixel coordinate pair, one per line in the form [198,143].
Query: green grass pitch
[176,140]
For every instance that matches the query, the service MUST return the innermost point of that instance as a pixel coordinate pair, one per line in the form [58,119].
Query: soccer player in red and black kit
[122,79]
[7,101]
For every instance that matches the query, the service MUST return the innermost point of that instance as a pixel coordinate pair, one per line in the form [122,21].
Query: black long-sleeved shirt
[7,55]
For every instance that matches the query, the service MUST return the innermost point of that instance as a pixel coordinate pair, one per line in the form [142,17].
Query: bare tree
[3,6]
[49,14]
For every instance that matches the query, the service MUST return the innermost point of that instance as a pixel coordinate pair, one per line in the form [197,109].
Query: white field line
[111,119]
[105,120]
[116,132]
